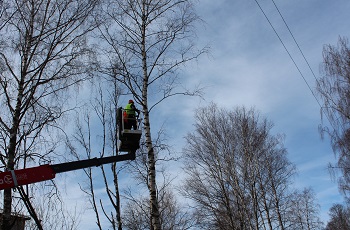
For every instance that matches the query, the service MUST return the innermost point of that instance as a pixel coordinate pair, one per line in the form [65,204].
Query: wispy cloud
[249,66]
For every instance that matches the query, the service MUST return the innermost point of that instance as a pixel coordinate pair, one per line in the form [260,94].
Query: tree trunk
[155,224]
[277,204]
[116,186]
[154,211]
[7,206]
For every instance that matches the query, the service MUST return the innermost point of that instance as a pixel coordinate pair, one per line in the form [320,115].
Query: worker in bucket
[130,115]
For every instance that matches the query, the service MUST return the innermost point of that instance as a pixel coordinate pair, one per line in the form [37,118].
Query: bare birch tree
[238,173]
[148,41]
[173,215]
[334,89]
[304,211]
[88,142]
[43,52]
[339,217]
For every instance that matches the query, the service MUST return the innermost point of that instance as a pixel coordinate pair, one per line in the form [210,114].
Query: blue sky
[249,66]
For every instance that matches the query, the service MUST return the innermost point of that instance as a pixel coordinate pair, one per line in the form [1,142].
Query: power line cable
[326,114]
[290,56]
[302,53]
[308,64]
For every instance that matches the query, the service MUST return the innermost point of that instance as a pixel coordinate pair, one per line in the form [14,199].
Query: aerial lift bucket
[129,139]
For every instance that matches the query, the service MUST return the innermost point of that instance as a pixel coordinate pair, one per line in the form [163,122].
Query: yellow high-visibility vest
[129,110]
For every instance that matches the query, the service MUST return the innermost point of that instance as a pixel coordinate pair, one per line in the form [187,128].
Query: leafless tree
[148,41]
[100,110]
[238,173]
[173,215]
[51,211]
[334,89]
[43,52]
[304,211]
[340,218]
[135,213]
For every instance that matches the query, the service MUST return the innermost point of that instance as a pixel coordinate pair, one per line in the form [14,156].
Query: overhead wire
[285,47]
[326,114]
[302,53]
[308,64]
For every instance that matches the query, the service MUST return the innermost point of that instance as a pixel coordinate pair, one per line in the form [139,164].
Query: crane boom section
[14,178]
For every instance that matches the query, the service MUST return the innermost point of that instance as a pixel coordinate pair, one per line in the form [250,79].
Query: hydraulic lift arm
[14,178]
